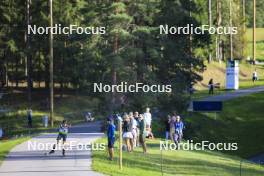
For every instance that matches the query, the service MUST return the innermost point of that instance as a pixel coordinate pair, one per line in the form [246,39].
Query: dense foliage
[132,50]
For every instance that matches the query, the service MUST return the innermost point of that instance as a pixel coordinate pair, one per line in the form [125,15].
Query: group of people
[135,127]
[174,128]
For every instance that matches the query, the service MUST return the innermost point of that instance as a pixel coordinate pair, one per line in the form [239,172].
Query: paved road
[235,94]
[230,95]
[23,160]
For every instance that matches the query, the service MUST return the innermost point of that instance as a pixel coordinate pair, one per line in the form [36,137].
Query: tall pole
[254,31]
[210,25]
[114,76]
[190,37]
[244,14]
[28,58]
[120,144]
[218,41]
[51,65]
[244,26]
[231,37]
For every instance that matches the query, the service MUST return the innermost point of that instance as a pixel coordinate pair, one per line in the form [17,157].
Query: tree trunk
[231,24]
[218,37]
[114,77]
[16,77]
[210,24]
[254,32]
[28,55]
[51,66]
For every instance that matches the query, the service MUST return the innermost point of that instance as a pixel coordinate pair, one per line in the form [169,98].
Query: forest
[131,50]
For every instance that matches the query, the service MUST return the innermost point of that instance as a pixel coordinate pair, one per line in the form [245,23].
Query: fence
[179,162]
[246,168]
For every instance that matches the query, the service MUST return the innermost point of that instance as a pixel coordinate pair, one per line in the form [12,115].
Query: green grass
[260,43]
[204,93]
[173,163]
[259,34]
[6,146]
[217,71]
[247,83]
[259,50]
[241,121]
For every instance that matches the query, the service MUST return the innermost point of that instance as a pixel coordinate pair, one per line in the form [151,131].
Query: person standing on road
[111,137]
[29,118]
[211,86]
[142,133]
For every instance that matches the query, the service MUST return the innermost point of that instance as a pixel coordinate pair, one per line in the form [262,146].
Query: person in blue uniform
[111,137]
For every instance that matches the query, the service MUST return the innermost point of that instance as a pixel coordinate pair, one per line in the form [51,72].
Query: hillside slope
[217,70]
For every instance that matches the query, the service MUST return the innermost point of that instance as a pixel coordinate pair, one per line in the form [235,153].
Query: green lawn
[259,34]
[6,146]
[217,71]
[172,163]
[241,121]
[259,50]
[260,43]
[243,84]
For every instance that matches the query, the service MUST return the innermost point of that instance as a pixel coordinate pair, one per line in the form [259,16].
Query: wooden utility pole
[51,65]
[254,31]
[231,25]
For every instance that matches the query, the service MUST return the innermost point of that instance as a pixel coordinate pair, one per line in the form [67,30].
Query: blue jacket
[111,131]
[179,127]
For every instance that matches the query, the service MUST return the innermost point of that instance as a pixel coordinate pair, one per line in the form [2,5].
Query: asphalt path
[24,159]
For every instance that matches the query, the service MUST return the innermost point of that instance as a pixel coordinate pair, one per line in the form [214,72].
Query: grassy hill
[216,71]
[259,34]
[173,163]
[241,121]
